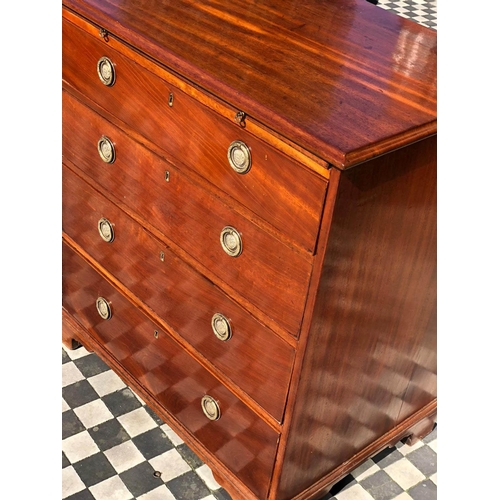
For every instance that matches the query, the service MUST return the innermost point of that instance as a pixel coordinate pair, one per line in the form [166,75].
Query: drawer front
[257,360]
[275,186]
[239,438]
[268,273]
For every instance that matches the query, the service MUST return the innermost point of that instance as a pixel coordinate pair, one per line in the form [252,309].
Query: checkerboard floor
[115,448]
[421,11]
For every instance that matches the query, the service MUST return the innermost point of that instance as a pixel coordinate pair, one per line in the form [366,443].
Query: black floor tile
[342,484]
[65,461]
[426,490]
[91,365]
[65,357]
[71,424]
[381,486]
[81,495]
[94,469]
[108,434]
[362,468]
[140,479]
[154,416]
[153,443]
[79,393]
[431,436]
[121,402]
[189,486]
[387,457]
[425,459]
[222,494]
[189,456]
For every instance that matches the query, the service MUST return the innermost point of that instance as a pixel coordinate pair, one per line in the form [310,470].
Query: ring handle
[103,308]
[106,149]
[239,156]
[210,407]
[106,71]
[221,327]
[231,242]
[106,231]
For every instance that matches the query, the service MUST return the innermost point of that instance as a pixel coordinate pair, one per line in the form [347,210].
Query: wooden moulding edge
[397,433]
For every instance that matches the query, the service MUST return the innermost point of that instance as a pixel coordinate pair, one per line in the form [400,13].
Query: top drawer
[276,188]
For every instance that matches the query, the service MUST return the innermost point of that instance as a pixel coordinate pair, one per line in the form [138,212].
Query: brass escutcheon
[106,231]
[239,156]
[210,407]
[103,308]
[221,327]
[106,149]
[231,241]
[106,71]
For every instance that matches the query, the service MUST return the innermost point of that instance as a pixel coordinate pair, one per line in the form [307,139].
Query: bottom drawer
[238,438]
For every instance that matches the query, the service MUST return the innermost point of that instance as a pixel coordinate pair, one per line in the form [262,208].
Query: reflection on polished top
[342,79]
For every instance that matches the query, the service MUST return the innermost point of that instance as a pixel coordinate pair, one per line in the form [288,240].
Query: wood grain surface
[198,138]
[333,299]
[370,355]
[270,274]
[345,80]
[257,360]
[242,441]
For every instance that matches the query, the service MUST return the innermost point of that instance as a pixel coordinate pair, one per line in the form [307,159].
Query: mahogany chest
[249,226]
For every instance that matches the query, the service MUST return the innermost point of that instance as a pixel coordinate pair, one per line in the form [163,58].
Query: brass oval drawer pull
[210,407]
[103,308]
[106,71]
[106,231]
[221,327]
[231,242]
[106,149]
[239,156]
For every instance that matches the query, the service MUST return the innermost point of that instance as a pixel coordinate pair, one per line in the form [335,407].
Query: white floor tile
[136,422]
[355,492]
[206,474]
[124,456]
[404,473]
[70,374]
[71,482]
[160,493]
[171,435]
[65,406]
[138,397]
[106,383]
[403,496]
[79,446]
[111,489]
[434,478]
[374,468]
[405,449]
[76,353]
[170,464]
[93,413]
[433,445]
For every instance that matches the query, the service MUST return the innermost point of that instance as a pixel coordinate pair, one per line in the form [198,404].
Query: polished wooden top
[343,79]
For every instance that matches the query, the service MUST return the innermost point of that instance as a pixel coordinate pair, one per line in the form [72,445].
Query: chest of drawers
[249,226]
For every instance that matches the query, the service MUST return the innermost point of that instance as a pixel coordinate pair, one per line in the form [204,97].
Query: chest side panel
[372,341]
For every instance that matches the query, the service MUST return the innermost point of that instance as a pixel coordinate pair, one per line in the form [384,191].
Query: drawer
[268,273]
[239,438]
[253,357]
[275,186]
